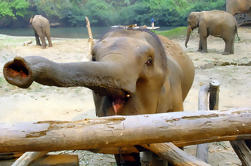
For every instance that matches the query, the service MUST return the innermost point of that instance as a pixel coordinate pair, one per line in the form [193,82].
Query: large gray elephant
[41,27]
[216,23]
[132,72]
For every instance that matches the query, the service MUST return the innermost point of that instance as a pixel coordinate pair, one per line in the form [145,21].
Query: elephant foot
[43,47]
[50,45]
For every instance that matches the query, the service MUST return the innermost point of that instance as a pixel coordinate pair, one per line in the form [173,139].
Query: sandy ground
[51,103]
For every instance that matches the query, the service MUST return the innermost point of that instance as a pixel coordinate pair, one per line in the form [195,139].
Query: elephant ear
[31,19]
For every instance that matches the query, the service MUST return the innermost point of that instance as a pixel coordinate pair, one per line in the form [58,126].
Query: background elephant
[41,27]
[238,6]
[240,9]
[216,23]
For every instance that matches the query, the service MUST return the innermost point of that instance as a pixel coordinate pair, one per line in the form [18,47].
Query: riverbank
[52,103]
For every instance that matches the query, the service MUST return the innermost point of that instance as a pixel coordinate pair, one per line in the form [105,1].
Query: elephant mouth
[118,97]
[118,103]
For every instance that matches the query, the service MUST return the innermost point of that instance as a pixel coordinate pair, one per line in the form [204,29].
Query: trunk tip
[17,72]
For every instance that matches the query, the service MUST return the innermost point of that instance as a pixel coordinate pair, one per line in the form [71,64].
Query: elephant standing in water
[132,72]
[41,27]
[216,23]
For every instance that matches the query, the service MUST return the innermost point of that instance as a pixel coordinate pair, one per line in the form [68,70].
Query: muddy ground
[51,103]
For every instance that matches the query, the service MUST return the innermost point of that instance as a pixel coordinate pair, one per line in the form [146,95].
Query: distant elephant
[41,27]
[238,6]
[216,23]
[132,72]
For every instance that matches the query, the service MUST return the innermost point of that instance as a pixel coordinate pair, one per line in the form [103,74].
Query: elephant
[238,6]
[132,71]
[240,9]
[41,27]
[216,23]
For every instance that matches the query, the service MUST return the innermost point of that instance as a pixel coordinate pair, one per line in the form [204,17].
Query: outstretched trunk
[98,76]
[189,30]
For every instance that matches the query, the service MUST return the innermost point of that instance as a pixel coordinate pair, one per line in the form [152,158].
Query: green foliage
[108,12]
[173,33]
[13,8]
[100,12]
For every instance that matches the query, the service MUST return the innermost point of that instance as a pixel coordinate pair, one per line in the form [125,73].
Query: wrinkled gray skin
[41,27]
[132,72]
[216,23]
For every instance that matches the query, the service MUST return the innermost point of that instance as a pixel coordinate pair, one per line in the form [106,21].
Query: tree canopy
[104,12]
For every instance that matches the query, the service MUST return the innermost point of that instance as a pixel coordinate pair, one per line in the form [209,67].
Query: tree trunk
[181,128]
[174,155]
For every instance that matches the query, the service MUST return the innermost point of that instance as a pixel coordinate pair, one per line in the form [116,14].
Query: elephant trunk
[189,31]
[98,76]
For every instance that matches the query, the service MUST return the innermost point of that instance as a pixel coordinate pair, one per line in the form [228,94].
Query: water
[63,32]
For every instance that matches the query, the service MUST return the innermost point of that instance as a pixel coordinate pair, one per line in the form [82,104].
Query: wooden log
[8,156]
[57,160]
[28,157]
[50,160]
[118,131]
[174,155]
[90,39]
[213,90]
[243,152]
[202,149]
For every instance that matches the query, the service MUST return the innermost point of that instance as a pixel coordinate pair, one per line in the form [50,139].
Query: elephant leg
[200,46]
[132,159]
[229,47]
[48,36]
[37,39]
[203,41]
[49,41]
[42,37]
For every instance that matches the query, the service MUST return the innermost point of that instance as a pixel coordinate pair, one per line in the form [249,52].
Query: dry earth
[51,103]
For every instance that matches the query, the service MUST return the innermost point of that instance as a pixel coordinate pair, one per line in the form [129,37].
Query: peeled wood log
[57,160]
[202,149]
[174,155]
[213,90]
[90,39]
[119,131]
[28,157]
[243,152]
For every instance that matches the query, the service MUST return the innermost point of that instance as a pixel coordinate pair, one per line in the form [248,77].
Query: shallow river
[62,32]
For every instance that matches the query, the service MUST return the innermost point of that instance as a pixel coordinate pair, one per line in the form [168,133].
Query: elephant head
[193,22]
[127,72]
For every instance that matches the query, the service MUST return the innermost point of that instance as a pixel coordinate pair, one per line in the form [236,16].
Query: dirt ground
[51,103]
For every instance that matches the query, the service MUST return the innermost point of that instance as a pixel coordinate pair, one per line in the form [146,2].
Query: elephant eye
[149,61]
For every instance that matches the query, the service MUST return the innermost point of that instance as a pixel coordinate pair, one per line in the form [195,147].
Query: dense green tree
[13,12]
[106,12]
